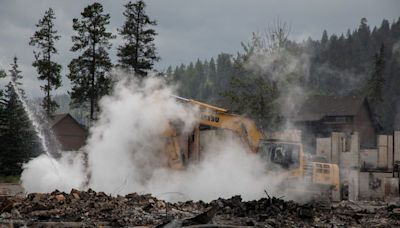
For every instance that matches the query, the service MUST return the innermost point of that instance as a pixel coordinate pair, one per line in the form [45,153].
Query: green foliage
[138,52]
[376,82]
[2,75]
[9,179]
[252,90]
[20,141]
[49,71]
[254,96]
[89,73]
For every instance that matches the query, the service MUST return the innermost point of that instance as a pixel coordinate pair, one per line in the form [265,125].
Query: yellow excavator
[184,148]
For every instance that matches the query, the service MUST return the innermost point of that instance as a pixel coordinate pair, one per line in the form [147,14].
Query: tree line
[89,72]
[364,61]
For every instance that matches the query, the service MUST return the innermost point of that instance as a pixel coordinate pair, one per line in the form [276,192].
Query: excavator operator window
[286,155]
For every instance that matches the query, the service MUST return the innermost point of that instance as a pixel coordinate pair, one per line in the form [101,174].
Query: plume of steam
[45,174]
[227,169]
[126,143]
[275,58]
[124,153]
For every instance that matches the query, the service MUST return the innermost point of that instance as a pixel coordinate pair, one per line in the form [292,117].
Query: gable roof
[317,107]
[57,118]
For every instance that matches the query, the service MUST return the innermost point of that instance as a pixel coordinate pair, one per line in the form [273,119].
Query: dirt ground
[11,189]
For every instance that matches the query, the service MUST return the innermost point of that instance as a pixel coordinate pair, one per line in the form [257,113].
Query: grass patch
[9,179]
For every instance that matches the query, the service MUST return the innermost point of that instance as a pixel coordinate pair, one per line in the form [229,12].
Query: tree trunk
[92,93]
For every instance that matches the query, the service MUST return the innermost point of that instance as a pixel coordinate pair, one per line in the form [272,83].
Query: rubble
[90,208]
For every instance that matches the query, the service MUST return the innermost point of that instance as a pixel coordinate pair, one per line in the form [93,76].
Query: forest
[363,61]
[266,80]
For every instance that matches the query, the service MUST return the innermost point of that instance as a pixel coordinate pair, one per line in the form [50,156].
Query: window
[284,154]
[346,143]
[338,119]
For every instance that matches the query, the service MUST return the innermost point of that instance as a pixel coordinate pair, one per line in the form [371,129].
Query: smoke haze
[124,153]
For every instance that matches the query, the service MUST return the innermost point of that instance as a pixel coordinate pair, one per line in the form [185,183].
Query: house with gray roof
[319,116]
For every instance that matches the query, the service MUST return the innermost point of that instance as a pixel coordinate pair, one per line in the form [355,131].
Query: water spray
[36,125]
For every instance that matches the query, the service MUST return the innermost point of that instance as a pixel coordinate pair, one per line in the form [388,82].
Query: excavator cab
[282,155]
[286,155]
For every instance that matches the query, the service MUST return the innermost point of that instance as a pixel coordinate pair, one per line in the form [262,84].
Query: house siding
[363,124]
[69,133]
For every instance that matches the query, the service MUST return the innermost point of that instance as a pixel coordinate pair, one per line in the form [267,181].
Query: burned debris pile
[90,208]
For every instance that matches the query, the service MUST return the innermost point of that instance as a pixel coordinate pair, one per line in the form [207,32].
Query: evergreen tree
[138,52]
[198,80]
[20,142]
[48,70]
[324,39]
[224,71]
[250,91]
[169,71]
[2,106]
[212,90]
[2,75]
[376,82]
[89,72]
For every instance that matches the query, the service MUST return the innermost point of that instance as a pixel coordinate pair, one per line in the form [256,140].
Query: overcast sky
[187,29]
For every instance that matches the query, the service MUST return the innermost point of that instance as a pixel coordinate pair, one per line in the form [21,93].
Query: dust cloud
[124,153]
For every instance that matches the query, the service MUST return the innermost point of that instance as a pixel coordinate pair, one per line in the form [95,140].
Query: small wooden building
[319,116]
[69,132]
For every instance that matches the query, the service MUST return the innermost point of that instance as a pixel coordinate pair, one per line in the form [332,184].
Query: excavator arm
[182,148]
[220,118]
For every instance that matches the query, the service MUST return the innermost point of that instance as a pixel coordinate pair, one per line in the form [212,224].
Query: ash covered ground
[94,209]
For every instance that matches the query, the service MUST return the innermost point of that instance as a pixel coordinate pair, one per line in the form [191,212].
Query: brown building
[69,132]
[319,116]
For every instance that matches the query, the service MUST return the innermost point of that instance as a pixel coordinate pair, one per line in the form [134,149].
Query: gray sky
[187,29]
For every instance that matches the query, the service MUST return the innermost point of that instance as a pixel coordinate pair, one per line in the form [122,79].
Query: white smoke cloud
[45,174]
[227,170]
[283,63]
[125,144]
[125,153]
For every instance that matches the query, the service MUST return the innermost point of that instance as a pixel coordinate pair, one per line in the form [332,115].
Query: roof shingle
[317,107]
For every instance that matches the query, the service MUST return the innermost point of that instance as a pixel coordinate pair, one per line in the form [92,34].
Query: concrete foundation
[372,185]
[391,189]
[396,146]
[369,159]
[364,173]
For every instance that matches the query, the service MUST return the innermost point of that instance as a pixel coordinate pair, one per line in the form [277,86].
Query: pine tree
[198,80]
[2,107]
[324,39]
[376,82]
[20,142]
[169,71]
[249,92]
[89,72]
[138,52]
[48,70]
[2,75]
[16,76]
[224,71]
[212,75]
